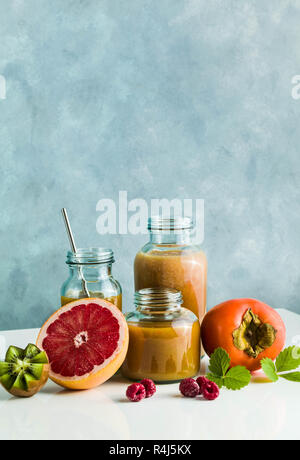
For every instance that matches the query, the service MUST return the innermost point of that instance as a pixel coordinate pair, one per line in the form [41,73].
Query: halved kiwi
[24,372]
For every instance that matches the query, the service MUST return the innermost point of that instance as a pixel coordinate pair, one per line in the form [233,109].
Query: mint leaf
[288,359]
[292,376]
[236,378]
[214,378]
[219,362]
[269,369]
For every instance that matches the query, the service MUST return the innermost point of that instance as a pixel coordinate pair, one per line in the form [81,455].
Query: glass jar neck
[91,272]
[180,237]
[158,301]
[91,263]
[170,230]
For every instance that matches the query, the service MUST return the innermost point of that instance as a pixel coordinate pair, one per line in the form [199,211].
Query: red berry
[210,390]
[149,387]
[189,388]
[136,392]
[201,382]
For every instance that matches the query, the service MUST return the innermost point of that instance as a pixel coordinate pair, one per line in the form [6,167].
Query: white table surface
[262,410]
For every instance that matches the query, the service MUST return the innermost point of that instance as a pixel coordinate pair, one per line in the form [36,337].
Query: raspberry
[136,392]
[201,382]
[189,388]
[149,387]
[210,390]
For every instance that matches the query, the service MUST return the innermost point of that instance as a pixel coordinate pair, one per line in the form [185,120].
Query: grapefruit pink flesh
[86,342]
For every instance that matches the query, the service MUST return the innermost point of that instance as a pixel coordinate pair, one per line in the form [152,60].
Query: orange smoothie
[163,352]
[116,300]
[183,270]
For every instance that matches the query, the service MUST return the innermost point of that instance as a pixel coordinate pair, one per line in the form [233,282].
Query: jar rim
[161,223]
[157,297]
[90,256]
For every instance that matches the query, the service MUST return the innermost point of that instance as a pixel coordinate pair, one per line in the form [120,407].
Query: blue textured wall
[163,98]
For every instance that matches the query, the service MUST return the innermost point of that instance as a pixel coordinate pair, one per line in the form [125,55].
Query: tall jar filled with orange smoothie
[170,259]
[95,266]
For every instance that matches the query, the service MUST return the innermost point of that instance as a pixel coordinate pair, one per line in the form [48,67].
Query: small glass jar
[164,338]
[170,259]
[94,265]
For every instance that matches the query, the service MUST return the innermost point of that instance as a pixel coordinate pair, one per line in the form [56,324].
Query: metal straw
[73,247]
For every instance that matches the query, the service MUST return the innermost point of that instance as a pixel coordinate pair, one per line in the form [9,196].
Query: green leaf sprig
[234,379]
[239,376]
[287,360]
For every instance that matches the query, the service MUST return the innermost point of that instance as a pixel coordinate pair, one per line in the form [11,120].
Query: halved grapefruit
[86,342]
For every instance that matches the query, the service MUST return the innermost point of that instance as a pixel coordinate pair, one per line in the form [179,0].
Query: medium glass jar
[170,259]
[164,338]
[94,265]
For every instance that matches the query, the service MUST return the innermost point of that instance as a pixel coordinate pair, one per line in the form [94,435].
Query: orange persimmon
[249,330]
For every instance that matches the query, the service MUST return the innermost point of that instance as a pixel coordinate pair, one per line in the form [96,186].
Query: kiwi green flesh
[7,381]
[13,354]
[5,368]
[31,351]
[23,368]
[40,358]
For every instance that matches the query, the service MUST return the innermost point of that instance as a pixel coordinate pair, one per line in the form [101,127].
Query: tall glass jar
[164,338]
[94,265]
[170,259]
